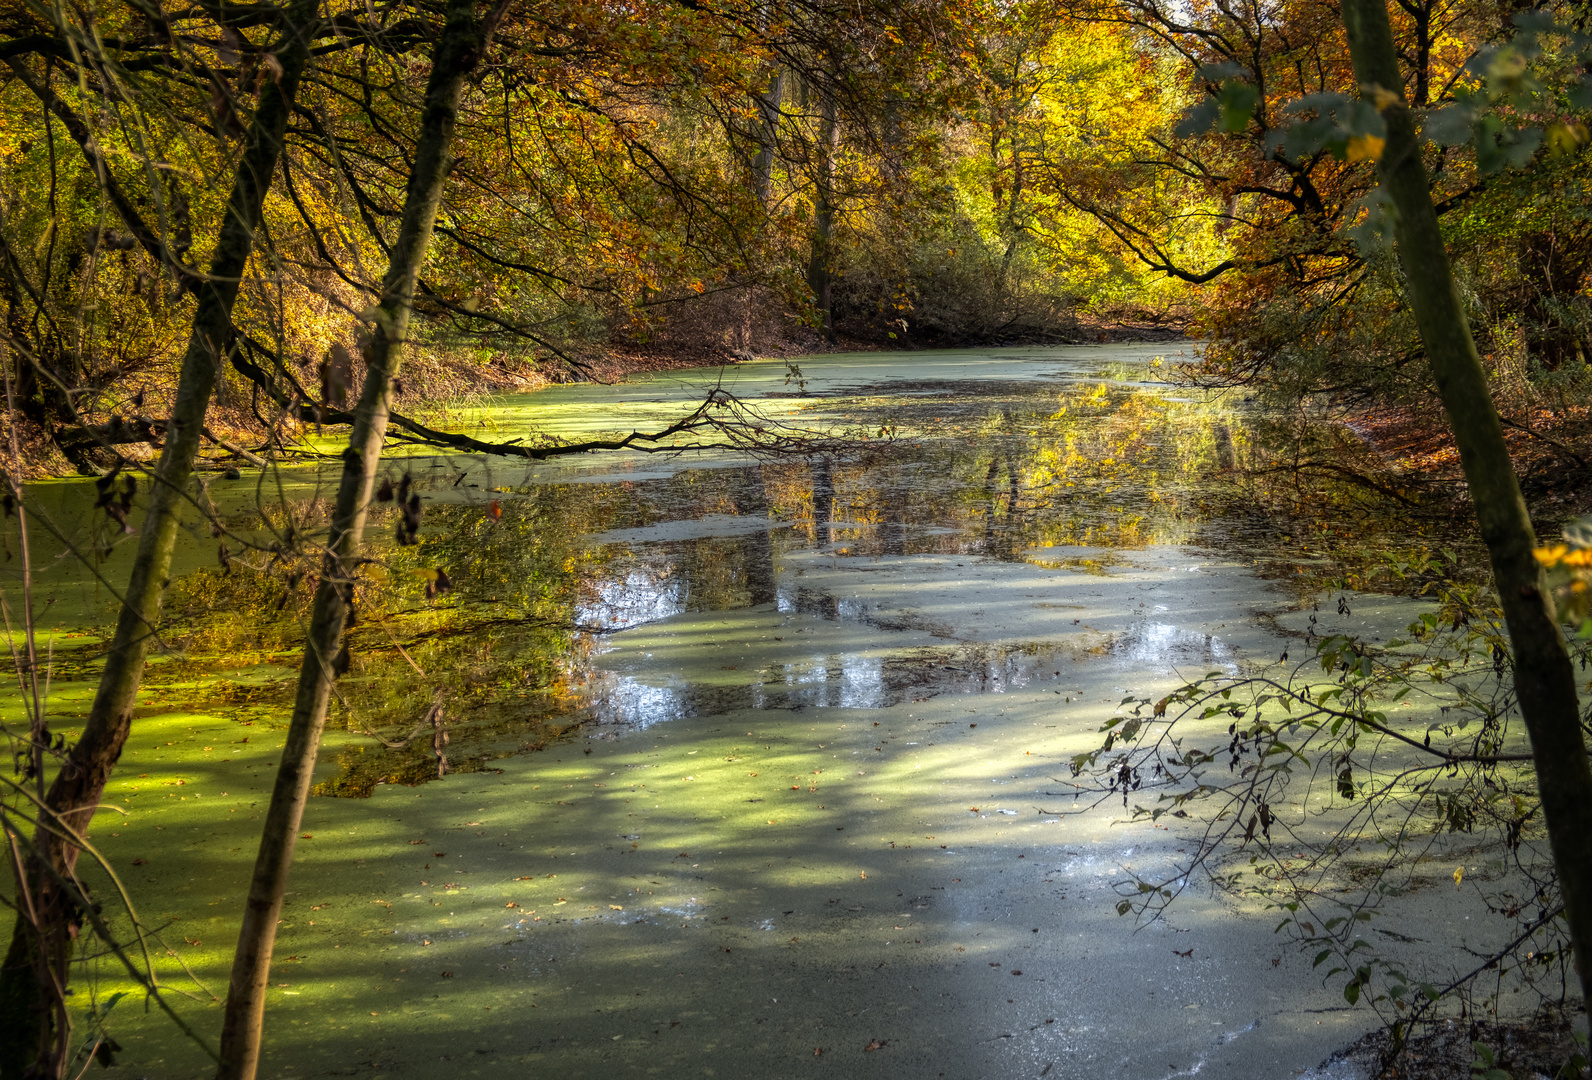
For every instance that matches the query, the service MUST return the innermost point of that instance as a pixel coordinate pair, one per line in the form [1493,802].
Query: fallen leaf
[1186,954]
[876,1044]
[447,974]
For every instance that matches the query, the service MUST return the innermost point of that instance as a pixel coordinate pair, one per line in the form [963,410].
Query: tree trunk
[1544,677]
[768,105]
[820,269]
[38,956]
[457,52]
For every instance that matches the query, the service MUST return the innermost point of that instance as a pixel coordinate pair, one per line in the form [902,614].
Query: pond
[756,767]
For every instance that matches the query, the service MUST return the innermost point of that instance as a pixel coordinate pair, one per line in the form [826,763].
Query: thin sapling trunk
[464,37]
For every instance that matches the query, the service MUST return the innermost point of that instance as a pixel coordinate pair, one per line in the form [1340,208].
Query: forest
[1176,413]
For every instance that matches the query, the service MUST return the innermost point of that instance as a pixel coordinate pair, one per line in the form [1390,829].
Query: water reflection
[556,570]
[1149,644]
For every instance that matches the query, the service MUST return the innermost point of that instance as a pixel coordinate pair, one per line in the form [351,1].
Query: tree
[40,952]
[464,37]
[1543,677]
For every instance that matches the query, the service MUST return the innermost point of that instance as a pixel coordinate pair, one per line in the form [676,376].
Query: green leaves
[1511,107]
[1230,107]
[1485,1067]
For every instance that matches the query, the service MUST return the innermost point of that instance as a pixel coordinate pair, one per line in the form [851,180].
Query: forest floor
[1551,445]
[1540,1047]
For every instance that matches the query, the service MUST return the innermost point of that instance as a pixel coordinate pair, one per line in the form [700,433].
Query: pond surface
[757,767]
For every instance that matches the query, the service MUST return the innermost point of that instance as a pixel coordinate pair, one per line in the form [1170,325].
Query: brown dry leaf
[818,1051]
[876,1044]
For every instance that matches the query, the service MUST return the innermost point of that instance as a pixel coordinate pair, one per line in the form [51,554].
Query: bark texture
[458,50]
[31,1043]
[820,267]
[1544,677]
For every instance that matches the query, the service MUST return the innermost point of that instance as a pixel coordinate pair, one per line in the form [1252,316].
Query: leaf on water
[876,1044]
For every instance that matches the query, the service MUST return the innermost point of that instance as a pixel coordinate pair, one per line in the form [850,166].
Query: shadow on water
[1069,471]
[799,725]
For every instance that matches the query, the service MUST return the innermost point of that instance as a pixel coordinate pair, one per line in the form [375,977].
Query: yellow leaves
[1459,874]
[1550,556]
[1563,555]
[1364,147]
[1382,97]
[1565,137]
